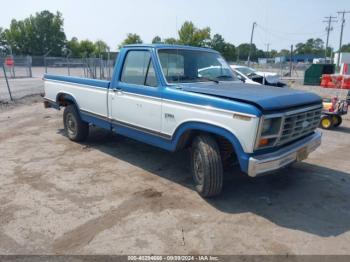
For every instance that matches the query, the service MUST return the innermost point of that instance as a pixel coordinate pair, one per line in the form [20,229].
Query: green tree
[170,41]
[272,53]
[218,43]
[17,38]
[243,50]
[284,52]
[74,46]
[2,37]
[190,35]
[311,46]
[227,50]
[3,42]
[345,48]
[156,40]
[37,34]
[131,39]
[86,48]
[100,47]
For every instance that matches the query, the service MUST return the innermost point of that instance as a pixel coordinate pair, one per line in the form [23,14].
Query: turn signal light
[263,142]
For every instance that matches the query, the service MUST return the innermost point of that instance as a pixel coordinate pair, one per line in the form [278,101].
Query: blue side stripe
[171,145]
[78,80]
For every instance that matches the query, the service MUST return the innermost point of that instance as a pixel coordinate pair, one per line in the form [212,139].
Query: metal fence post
[68,66]
[30,61]
[108,64]
[7,82]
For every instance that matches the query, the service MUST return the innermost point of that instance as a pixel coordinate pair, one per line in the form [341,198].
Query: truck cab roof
[168,46]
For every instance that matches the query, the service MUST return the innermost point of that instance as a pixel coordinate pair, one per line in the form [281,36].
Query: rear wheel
[326,122]
[206,166]
[75,128]
[337,120]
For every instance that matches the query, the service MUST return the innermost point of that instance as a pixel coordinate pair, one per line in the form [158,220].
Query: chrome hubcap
[71,125]
[198,167]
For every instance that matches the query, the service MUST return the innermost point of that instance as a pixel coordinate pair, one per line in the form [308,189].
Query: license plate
[302,154]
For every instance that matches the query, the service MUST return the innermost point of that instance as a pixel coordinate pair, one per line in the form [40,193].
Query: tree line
[43,34]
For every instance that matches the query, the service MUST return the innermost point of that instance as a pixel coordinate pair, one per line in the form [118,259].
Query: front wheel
[206,166]
[76,129]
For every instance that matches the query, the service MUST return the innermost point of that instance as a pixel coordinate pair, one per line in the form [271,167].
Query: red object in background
[9,61]
[345,69]
[326,78]
[346,82]
[335,81]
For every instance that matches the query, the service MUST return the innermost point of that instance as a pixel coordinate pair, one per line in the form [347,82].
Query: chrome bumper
[297,151]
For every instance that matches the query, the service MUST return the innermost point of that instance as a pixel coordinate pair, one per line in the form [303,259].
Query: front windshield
[185,66]
[246,70]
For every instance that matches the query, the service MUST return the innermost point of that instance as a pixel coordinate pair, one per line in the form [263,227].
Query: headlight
[271,126]
[266,126]
[269,130]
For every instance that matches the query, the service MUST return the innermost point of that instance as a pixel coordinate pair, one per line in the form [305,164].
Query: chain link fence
[17,66]
[95,68]
[29,66]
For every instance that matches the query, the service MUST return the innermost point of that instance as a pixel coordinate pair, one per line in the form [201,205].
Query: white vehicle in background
[264,78]
[243,77]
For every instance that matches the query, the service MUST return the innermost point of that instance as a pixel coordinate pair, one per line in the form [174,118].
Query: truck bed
[89,94]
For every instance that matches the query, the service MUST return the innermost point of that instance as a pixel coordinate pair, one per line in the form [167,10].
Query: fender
[210,128]
[68,97]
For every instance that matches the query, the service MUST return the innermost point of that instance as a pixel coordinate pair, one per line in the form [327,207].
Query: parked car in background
[264,78]
[243,77]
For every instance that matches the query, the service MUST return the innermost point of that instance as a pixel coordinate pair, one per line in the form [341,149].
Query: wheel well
[226,147]
[64,100]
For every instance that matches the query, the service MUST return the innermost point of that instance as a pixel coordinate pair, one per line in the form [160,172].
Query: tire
[337,120]
[206,166]
[75,129]
[326,122]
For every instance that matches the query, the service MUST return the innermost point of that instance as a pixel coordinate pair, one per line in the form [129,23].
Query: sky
[279,22]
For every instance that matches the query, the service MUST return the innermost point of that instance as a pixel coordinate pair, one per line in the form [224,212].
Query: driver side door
[136,101]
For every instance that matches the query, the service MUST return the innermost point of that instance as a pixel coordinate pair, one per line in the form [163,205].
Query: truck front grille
[299,125]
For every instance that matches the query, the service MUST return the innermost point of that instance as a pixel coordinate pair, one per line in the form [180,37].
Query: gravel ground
[112,195]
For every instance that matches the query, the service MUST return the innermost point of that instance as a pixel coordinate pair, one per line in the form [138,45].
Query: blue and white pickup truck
[160,95]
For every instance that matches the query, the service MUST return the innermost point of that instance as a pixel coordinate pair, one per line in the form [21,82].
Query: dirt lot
[112,195]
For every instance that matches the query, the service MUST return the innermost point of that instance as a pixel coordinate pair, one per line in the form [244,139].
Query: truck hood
[266,98]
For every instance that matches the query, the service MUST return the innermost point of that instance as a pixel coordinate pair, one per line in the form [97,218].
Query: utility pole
[329,28]
[267,49]
[251,43]
[341,33]
[291,61]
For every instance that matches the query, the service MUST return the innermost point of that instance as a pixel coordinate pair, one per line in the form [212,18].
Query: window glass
[136,66]
[246,70]
[151,79]
[193,66]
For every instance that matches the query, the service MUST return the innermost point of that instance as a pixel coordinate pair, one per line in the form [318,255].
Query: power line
[289,38]
[267,49]
[289,33]
[328,29]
